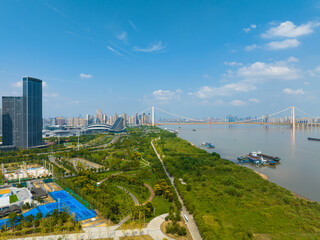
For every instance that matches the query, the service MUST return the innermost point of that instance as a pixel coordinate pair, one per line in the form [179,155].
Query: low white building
[23,195]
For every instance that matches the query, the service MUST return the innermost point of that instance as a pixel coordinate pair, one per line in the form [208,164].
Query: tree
[12,219]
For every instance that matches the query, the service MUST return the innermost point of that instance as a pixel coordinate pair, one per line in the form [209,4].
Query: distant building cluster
[98,118]
[22,116]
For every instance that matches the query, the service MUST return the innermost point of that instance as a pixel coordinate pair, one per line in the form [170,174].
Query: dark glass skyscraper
[12,121]
[32,112]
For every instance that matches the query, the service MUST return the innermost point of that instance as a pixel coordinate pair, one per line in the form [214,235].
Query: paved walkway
[136,202]
[153,229]
[191,224]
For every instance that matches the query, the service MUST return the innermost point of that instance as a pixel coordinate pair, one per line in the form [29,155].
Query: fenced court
[63,200]
[72,205]
[45,186]
[56,188]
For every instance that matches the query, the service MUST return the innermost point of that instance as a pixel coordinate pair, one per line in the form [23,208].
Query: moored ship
[259,159]
[207,145]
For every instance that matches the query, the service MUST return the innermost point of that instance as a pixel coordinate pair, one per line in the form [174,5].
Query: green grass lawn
[161,205]
[13,198]
[233,202]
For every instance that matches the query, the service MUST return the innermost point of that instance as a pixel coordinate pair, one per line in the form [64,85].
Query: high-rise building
[12,121]
[32,112]
[125,120]
[60,121]
[98,116]
[0,120]
[115,117]
[104,118]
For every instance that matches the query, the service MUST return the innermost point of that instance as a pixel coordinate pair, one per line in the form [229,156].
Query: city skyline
[192,59]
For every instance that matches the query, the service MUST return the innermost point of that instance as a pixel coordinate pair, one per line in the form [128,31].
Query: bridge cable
[305,112]
[175,115]
[144,110]
[256,119]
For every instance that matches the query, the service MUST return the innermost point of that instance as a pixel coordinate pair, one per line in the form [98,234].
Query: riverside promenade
[191,224]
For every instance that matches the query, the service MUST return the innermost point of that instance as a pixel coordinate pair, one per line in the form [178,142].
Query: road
[191,224]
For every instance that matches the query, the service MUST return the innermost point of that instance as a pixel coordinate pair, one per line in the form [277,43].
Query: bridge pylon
[152,117]
[292,118]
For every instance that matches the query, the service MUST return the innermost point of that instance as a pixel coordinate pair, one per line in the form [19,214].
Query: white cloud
[50,94]
[206,76]
[233,63]
[17,84]
[290,30]
[132,25]
[166,95]
[315,72]
[306,83]
[218,102]
[288,43]
[290,91]
[114,51]
[225,90]
[238,103]
[251,47]
[248,29]
[122,36]
[293,59]
[255,100]
[85,76]
[153,48]
[260,71]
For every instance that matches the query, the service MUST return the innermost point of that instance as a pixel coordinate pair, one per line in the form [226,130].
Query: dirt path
[151,194]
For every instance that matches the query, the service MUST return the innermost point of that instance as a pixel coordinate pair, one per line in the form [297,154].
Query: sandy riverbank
[265,177]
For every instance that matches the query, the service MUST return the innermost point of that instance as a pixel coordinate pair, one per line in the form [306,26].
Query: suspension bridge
[304,120]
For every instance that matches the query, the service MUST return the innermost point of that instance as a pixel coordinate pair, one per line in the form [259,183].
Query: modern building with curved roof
[96,127]
[118,126]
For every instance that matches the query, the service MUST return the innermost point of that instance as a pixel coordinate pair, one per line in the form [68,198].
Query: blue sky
[194,58]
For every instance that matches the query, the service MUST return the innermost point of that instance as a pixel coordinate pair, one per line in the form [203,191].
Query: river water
[299,168]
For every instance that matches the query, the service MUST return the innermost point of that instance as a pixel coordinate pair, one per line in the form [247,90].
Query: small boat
[313,139]
[194,130]
[207,145]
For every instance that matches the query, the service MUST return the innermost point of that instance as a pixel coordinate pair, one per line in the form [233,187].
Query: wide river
[299,168]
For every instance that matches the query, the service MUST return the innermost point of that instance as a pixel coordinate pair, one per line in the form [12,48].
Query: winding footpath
[191,224]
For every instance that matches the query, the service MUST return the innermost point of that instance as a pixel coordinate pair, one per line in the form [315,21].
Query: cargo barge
[259,159]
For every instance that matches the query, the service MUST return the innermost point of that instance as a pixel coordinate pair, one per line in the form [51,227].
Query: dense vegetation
[57,222]
[233,202]
[128,163]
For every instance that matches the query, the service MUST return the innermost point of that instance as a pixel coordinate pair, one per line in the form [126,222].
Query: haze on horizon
[193,58]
